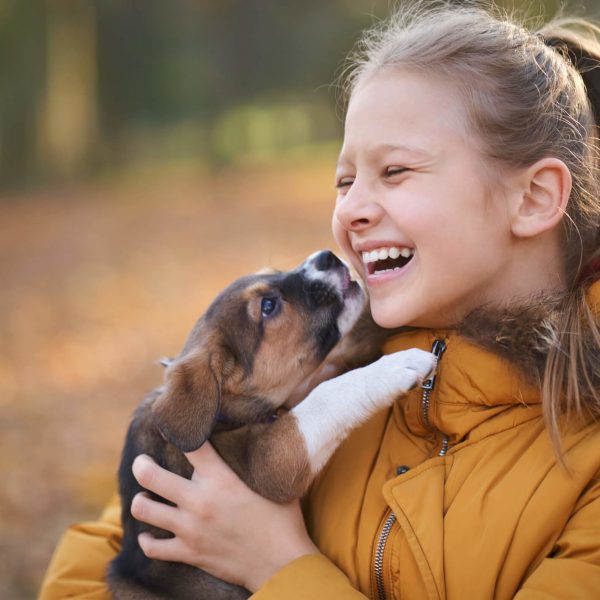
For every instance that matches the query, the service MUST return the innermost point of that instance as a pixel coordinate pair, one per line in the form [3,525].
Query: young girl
[468,201]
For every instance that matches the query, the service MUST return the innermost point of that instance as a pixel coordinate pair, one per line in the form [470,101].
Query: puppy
[259,341]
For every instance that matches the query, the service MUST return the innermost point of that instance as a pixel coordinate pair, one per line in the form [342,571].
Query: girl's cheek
[339,233]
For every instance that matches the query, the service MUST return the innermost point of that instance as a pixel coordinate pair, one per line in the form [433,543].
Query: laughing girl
[468,201]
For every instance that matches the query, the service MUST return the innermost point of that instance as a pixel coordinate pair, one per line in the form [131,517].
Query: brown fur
[275,459]
[520,333]
[523,332]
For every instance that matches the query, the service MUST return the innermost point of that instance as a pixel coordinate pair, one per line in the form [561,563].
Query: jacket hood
[523,332]
[493,363]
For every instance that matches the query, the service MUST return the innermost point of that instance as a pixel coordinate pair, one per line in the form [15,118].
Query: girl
[468,202]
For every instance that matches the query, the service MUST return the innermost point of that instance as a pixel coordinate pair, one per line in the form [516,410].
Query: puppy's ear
[186,411]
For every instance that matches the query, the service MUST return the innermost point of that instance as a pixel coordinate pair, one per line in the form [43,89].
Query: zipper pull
[437,349]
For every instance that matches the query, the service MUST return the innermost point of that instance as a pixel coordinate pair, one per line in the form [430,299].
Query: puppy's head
[260,338]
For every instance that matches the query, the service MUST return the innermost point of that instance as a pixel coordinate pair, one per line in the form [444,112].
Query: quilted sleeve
[78,565]
[310,577]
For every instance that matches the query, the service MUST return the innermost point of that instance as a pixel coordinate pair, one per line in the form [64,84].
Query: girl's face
[415,213]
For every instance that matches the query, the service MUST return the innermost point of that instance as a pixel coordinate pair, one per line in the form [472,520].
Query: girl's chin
[391,313]
[388,318]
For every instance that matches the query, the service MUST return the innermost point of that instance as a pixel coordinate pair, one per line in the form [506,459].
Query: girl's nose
[356,211]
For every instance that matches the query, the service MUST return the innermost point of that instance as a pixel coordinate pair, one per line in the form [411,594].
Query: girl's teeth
[393,252]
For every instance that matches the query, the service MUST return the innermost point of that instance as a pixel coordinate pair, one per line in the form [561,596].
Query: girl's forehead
[403,111]
[409,87]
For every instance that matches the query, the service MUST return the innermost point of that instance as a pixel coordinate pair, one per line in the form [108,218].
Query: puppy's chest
[238,446]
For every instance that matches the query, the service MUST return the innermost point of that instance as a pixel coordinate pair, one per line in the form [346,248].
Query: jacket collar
[492,365]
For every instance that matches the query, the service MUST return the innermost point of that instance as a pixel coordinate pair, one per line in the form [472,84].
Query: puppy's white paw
[421,361]
[403,370]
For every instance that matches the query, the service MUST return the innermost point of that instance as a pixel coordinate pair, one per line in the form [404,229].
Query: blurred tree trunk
[69,114]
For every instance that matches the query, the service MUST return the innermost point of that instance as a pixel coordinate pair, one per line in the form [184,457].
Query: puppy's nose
[325,261]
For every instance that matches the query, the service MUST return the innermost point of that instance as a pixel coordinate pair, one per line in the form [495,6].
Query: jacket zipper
[437,349]
[388,523]
[390,518]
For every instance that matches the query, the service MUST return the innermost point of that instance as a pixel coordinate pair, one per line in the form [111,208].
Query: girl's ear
[541,200]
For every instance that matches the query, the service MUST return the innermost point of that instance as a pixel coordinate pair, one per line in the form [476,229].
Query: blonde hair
[526,97]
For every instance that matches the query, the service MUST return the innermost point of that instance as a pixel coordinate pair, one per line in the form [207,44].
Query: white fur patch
[331,276]
[333,408]
[353,307]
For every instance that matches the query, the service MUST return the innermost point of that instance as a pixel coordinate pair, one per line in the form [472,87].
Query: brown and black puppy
[258,342]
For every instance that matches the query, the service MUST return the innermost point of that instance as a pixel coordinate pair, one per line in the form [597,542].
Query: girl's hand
[220,524]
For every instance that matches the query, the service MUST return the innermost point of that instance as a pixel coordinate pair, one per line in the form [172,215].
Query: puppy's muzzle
[326,266]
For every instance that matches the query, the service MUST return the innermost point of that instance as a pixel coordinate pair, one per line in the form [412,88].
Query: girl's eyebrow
[388,147]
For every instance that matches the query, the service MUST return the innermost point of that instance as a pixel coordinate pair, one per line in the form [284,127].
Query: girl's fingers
[208,463]
[203,458]
[169,549]
[158,480]
[159,514]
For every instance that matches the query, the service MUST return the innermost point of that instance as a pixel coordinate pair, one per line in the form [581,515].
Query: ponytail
[571,381]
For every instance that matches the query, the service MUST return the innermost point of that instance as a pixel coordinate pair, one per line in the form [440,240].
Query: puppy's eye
[269,307]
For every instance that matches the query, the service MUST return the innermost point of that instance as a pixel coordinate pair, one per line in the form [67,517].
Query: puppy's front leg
[334,407]
[280,460]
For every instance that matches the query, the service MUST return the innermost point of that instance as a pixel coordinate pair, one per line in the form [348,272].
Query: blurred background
[150,152]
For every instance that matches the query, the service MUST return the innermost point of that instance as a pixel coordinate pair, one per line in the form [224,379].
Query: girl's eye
[344,182]
[269,307]
[391,171]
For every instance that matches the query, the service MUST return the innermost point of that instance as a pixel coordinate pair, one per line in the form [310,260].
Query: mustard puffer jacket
[483,510]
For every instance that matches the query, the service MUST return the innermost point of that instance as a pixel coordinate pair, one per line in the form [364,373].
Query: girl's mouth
[387,259]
